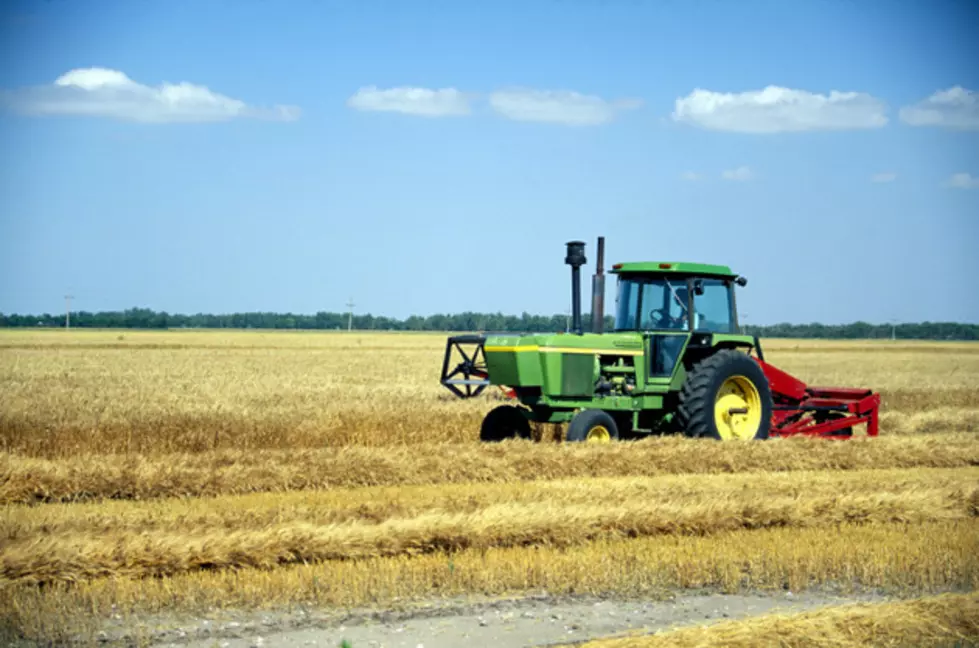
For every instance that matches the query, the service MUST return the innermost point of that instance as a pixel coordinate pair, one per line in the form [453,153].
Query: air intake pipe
[576,258]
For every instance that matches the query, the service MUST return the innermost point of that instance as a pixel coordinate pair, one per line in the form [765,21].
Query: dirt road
[537,621]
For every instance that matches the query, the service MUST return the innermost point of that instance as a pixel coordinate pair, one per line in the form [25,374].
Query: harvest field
[149,478]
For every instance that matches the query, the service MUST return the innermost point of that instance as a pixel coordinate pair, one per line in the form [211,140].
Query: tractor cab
[670,303]
[676,297]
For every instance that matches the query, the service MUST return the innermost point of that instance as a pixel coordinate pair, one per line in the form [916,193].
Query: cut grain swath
[372,505]
[928,558]
[947,620]
[77,556]
[30,480]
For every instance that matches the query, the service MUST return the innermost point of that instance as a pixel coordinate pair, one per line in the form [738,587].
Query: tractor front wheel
[504,422]
[593,426]
[726,396]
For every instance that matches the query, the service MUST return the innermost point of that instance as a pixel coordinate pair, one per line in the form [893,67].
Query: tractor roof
[673,267]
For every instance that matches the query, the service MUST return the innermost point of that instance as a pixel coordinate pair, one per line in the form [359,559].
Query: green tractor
[675,362]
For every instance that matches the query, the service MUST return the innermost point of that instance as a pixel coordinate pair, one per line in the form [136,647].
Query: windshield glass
[661,304]
[653,303]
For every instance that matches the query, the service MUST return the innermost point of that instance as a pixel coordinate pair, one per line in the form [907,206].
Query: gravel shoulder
[528,621]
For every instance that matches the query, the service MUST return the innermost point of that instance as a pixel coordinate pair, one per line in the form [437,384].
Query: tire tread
[695,410]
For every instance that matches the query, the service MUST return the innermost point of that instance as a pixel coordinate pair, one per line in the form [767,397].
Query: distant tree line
[867,331]
[143,318]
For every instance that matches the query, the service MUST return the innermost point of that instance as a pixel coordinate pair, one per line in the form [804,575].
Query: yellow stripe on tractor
[517,349]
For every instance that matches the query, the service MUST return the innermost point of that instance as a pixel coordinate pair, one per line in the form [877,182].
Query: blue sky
[435,156]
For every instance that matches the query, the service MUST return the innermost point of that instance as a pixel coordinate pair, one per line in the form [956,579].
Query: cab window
[713,308]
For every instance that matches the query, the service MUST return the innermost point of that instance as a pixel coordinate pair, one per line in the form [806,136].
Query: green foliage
[867,331]
[144,318]
[141,318]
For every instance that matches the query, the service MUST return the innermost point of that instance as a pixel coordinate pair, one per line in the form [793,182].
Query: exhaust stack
[576,259]
[598,290]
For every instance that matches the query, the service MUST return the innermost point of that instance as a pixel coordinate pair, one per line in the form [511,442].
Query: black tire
[504,422]
[590,421]
[695,411]
[831,416]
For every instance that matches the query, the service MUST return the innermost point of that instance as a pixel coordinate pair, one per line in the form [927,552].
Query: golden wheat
[26,479]
[75,555]
[947,620]
[929,557]
[377,504]
[67,393]
[342,451]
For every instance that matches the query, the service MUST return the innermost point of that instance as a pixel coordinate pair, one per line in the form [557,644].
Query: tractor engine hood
[558,364]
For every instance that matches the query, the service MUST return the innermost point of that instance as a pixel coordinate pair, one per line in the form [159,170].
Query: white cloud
[740,174]
[883,177]
[101,92]
[691,176]
[777,110]
[955,108]
[412,101]
[558,106]
[963,181]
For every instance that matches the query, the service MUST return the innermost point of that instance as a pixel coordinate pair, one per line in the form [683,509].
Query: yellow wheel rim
[598,434]
[737,409]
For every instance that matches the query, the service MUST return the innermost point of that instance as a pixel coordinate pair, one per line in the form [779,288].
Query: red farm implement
[818,411]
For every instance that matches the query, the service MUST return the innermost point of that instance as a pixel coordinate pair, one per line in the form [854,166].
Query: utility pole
[68,299]
[350,314]
[893,329]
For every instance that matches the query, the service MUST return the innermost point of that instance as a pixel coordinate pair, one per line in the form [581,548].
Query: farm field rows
[186,474]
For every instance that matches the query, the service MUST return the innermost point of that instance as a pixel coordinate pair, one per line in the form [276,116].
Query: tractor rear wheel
[592,426]
[726,396]
[504,422]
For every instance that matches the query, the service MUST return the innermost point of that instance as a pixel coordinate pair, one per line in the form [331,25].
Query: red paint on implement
[798,407]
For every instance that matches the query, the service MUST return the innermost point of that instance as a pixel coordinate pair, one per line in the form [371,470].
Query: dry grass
[930,557]
[217,469]
[378,504]
[276,531]
[189,392]
[162,393]
[946,620]
[27,479]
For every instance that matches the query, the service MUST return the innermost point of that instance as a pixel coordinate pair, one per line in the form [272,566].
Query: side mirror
[698,286]
[741,281]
